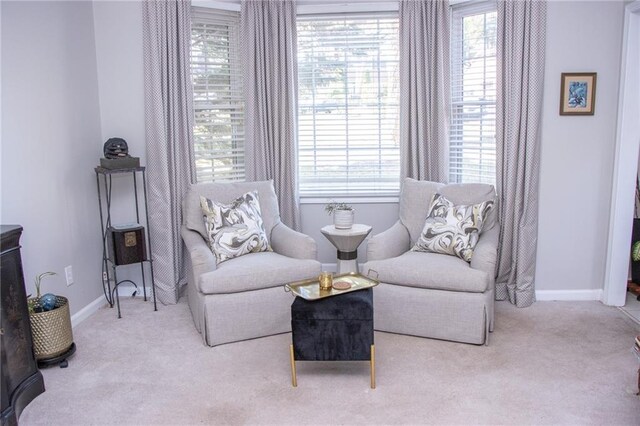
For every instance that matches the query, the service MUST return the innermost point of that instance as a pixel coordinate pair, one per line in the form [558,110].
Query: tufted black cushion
[338,328]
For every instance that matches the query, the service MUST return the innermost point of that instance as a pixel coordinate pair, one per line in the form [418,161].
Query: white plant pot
[343,219]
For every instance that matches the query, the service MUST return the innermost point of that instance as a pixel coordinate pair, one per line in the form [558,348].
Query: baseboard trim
[87,311]
[568,295]
[92,308]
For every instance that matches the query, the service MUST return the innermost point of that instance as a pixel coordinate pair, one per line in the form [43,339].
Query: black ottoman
[337,328]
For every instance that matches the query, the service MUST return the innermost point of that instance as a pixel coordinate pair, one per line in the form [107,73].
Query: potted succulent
[50,324]
[342,214]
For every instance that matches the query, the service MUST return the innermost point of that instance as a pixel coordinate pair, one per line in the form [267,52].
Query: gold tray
[310,289]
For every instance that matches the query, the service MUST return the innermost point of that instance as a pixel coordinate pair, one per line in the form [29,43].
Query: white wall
[118,36]
[50,134]
[577,152]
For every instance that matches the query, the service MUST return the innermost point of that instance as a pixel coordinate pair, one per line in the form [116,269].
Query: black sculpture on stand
[115,148]
[116,155]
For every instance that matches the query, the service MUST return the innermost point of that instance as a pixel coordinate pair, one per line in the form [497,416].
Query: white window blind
[348,105]
[472,153]
[217,95]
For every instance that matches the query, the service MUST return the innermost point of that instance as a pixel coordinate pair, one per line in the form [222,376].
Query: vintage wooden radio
[126,244]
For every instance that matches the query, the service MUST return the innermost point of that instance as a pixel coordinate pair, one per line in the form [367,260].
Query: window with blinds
[217,95]
[472,148]
[348,105]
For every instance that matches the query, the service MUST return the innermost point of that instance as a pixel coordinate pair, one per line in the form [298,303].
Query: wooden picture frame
[577,93]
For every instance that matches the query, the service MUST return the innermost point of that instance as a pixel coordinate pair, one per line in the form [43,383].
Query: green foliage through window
[348,105]
[472,149]
[217,96]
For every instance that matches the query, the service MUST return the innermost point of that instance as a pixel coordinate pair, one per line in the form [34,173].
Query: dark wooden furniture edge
[32,385]
[26,392]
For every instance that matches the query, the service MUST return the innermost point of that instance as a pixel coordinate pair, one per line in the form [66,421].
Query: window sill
[386,199]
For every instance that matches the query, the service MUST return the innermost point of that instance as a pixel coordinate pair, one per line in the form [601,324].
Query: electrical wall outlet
[68,272]
[104,277]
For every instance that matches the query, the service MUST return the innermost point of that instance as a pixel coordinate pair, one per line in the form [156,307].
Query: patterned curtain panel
[520,54]
[270,82]
[424,89]
[169,135]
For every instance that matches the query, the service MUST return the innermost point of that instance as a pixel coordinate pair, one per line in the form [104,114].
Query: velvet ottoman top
[356,305]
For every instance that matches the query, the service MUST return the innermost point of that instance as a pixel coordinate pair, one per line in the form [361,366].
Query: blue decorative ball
[48,301]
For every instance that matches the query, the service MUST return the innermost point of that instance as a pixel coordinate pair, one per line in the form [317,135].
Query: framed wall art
[577,93]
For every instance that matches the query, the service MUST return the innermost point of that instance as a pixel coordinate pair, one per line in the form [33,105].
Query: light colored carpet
[552,363]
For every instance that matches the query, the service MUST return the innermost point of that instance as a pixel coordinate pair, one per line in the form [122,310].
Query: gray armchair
[243,298]
[430,294]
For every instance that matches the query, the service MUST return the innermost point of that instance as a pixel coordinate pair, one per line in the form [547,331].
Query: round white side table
[347,242]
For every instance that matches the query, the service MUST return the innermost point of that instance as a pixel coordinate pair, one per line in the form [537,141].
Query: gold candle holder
[326,280]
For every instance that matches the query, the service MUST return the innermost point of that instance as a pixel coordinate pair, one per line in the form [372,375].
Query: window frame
[350,11]
[458,12]
[234,104]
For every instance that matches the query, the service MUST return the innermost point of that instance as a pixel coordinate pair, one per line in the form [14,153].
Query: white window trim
[470,7]
[208,16]
[231,5]
[313,7]
[474,6]
[309,199]
[368,10]
[327,7]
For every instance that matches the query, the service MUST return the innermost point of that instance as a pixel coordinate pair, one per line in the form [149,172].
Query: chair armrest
[202,259]
[290,243]
[390,243]
[485,255]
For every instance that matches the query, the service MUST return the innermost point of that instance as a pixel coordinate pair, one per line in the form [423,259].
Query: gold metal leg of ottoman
[373,366]
[294,380]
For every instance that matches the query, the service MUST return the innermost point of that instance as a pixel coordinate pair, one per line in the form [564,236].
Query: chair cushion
[416,195]
[429,270]
[234,229]
[452,229]
[225,192]
[256,271]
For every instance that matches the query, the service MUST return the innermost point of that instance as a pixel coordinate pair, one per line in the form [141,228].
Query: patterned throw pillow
[451,229]
[236,228]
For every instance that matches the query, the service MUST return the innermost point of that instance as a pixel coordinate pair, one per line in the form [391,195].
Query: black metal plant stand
[108,263]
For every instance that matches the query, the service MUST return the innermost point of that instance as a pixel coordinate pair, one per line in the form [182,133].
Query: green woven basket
[51,330]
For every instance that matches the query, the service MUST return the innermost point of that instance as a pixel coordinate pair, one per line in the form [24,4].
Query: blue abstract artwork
[577,94]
